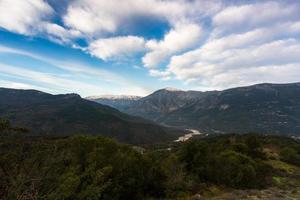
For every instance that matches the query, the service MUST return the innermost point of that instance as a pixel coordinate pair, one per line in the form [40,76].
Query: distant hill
[158,104]
[264,108]
[60,115]
[120,102]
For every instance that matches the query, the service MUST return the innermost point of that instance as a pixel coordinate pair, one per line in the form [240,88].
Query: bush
[231,164]
[290,155]
[234,169]
[4,125]
[78,168]
[195,156]
[254,145]
[88,167]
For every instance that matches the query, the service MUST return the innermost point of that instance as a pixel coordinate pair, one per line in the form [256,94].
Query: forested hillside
[263,108]
[93,167]
[69,114]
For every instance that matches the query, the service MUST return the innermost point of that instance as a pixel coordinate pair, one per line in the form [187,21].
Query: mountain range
[262,108]
[120,102]
[158,117]
[63,115]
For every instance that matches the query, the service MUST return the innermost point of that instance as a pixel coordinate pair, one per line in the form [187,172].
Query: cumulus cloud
[98,17]
[22,16]
[247,44]
[222,68]
[215,44]
[98,22]
[117,46]
[33,17]
[58,33]
[164,75]
[182,37]
[250,16]
[258,74]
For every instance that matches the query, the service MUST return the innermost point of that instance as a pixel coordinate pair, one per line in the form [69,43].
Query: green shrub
[290,155]
[78,168]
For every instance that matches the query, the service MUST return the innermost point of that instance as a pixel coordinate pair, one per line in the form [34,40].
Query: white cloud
[259,74]
[249,16]
[95,21]
[247,44]
[76,69]
[182,37]
[102,16]
[22,16]
[20,85]
[58,83]
[51,80]
[33,17]
[164,75]
[68,65]
[205,67]
[215,43]
[58,33]
[116,46]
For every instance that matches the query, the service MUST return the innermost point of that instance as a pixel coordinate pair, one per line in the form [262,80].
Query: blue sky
[137,46]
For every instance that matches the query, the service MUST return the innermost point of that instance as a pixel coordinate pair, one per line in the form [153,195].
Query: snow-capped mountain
[117,101]
[263,108]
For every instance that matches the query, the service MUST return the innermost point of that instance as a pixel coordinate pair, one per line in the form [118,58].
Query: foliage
[89,167]
[290,155]
[77,168]
[7,128]
[226,161]
[4,125]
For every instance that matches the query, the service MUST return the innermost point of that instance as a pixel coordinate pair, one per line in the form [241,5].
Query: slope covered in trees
[262,108]
[69,114]
[94,167]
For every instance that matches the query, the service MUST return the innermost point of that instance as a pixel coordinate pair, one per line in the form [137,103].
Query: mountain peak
[114,97]
[170,89]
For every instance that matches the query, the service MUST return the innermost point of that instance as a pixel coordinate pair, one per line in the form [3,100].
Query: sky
[135,47]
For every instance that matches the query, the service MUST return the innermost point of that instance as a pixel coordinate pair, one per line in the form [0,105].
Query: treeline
[7,128]
[89,167]
[79,167]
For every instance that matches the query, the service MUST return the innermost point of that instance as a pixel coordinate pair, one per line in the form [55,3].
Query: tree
[4,125]
[254,146]
[290,155]
[234,169]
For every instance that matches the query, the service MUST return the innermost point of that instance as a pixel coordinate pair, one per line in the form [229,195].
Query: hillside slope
[263,108]
[119,102]
[60,115]
[162,102]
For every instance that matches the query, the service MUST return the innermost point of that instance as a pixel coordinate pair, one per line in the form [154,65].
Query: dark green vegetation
[79,167]
[94,167]
[262,108]
[60,115]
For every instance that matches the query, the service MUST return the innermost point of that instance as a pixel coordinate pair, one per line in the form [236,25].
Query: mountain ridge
[47,114]
[237,109]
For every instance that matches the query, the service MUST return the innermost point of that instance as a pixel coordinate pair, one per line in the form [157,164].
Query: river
[188,136]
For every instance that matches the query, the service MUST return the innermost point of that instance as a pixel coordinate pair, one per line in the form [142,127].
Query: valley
[264,108]
[149,99]
[74,148]
[189,135]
